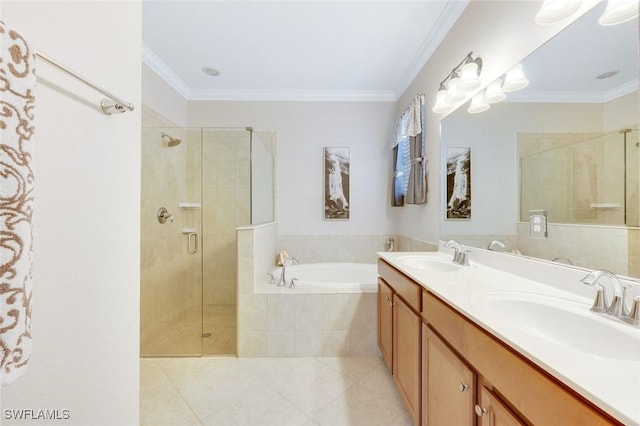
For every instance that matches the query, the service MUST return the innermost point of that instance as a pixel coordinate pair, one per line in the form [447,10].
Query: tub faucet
[617,307]
[283,278]
[459,255]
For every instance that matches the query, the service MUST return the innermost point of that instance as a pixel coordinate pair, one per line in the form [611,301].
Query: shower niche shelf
[189,230]
[190,206]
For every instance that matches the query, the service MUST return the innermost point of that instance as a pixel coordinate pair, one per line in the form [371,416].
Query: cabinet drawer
[538,397]
[408,290]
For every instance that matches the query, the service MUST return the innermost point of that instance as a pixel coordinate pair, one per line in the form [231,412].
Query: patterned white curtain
[17,101]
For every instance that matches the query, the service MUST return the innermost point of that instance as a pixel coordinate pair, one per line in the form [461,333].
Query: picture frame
[457,183]
[337,170]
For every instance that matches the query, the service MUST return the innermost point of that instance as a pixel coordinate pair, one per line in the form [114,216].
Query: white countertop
[610,383]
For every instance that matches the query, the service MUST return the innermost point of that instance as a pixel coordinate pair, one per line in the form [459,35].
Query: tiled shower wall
[170,277]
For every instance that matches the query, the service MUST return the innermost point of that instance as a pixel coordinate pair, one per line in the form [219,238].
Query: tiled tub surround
[291,323]
[608,382]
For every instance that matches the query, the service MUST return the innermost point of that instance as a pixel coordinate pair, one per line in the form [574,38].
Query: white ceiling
[294,50]
[358,50]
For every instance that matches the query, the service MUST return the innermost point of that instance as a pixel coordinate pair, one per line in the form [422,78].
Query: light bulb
[455,94]
[442,106]
[469,80]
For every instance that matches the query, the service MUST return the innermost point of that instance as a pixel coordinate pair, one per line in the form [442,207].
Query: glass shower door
[171,246]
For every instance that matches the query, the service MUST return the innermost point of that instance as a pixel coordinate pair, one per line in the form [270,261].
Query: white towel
[17,83]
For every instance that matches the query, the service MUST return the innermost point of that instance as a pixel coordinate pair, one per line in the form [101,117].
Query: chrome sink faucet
[460,256]
[617,307]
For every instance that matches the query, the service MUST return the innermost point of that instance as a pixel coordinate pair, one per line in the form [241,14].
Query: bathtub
[329,278]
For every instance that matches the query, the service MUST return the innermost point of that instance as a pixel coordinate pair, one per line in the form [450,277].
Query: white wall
[502,33]
[622,112]
[304,128]
[494,165]
[162,98]
[87,233]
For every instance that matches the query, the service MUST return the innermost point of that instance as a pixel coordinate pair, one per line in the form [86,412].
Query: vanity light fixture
[478,103]
[515,79]
[458,85]
[619,11]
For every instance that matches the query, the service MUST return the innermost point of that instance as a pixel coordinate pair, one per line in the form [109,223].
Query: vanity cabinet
[514,391]
[406,354]
[492,412]
[448,384]
[399,333]
[451,371]
[385,322]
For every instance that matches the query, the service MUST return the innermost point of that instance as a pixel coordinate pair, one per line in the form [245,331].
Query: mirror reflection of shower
[172,141]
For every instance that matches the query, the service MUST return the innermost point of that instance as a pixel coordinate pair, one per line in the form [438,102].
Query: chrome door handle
[192,243]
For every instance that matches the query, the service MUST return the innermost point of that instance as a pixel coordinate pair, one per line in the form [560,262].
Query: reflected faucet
[617,308]
[460,256]
[497,243]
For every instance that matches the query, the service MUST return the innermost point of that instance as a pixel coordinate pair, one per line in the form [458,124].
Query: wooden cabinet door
[448,383]
[492,412]
[385,322]
[406,355]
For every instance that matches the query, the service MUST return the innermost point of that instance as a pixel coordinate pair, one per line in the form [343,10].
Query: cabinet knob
[462,387]
[480,411]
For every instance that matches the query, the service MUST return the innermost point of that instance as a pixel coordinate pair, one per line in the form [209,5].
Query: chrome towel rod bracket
[109,106]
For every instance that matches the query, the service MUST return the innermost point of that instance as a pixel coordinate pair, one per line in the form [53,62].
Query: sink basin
[428,263]
[565,323]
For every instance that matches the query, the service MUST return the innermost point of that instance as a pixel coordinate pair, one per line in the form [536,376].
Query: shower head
[172,141]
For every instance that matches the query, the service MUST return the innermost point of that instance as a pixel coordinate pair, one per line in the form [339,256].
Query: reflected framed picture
[458,182]
[337,168]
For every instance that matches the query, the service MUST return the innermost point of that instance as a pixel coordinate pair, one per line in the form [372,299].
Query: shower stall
[198,185]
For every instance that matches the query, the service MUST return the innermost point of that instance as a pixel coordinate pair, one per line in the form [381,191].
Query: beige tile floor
[228,391]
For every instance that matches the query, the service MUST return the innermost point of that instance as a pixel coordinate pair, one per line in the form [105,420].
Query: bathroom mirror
[568,144]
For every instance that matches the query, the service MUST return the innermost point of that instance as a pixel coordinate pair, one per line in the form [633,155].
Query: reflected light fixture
[616,12]
[494,92]
[515,79]
[555,10]
[478,103]
[619,11]
[458,84]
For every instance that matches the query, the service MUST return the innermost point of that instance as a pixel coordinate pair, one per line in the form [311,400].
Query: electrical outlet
[538,223]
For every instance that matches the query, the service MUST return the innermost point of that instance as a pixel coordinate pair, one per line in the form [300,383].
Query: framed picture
[458,167]
[337,166]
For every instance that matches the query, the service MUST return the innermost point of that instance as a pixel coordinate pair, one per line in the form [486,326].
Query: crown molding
[158,66]
[445,22]
[293,95]
[574,97]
